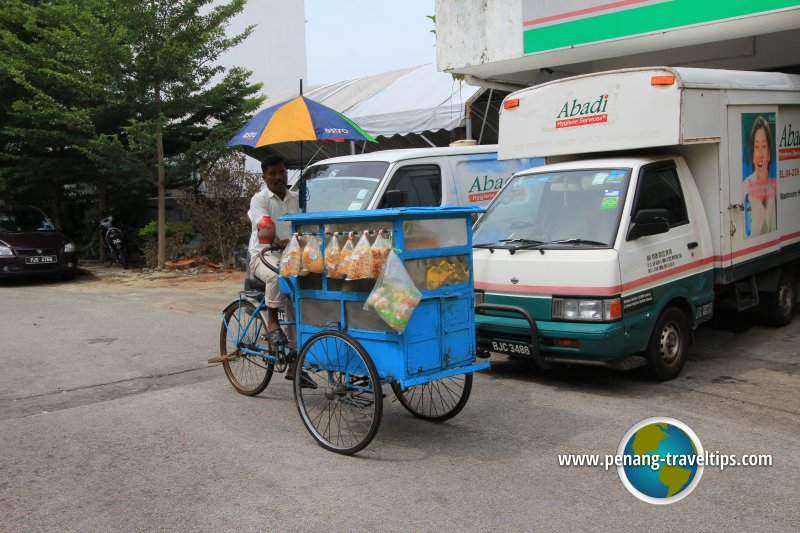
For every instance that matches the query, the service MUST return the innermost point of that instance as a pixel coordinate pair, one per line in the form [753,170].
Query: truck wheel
[666,352]
[777,307]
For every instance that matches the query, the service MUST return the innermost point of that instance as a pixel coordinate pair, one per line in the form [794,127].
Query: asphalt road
[111,420]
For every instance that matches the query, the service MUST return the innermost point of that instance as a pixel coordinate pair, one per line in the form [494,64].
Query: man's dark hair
[272,160]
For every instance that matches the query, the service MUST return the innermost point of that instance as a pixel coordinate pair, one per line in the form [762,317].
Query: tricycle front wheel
[337,392]
[438,400]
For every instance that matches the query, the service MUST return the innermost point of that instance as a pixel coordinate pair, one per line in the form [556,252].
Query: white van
[464,175]
[686,197]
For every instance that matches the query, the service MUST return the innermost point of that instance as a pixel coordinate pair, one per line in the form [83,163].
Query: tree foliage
[219,210]
[170,72]
[114,97]
[45,114]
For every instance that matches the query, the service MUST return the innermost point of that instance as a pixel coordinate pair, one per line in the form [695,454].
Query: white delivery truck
[673,190]
[459,175]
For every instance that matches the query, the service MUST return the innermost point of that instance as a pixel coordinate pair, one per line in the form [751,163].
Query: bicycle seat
[254,284]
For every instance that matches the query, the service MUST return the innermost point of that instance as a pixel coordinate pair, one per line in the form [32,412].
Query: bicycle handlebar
[264,260]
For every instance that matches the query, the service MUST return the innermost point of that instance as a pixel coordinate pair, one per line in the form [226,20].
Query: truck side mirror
[393,198]
[648,222]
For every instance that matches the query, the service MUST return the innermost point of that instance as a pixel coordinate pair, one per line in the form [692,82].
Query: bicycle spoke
[248,373]
[437,400]
[343,412]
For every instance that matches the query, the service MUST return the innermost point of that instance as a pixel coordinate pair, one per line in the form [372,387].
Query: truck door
[419,183]
[648,262]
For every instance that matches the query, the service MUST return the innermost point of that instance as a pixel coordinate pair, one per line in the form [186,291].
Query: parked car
[30,244]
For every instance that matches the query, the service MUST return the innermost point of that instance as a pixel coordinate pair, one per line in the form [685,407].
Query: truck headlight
[5,251]
[587,310]
[69,247]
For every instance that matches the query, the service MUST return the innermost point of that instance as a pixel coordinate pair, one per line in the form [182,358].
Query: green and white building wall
[532,41]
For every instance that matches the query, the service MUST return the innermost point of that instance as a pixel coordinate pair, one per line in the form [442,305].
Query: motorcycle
[112,237]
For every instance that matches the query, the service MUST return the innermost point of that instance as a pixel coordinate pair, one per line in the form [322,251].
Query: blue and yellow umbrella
[299,119]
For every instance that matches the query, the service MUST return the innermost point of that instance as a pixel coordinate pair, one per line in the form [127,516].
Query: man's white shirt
[265,202]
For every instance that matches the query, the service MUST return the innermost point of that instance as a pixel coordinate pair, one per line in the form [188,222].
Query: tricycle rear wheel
[338,392]
[438,400]
[249,374]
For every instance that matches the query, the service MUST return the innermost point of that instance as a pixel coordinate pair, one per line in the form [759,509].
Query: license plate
[520,349]
[116,241]
[41,259]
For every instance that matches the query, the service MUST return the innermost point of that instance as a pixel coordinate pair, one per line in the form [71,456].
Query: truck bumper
[608,344]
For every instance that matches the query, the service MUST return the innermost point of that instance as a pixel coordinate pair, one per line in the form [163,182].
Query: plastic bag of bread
[378,253]
[394,297]
[344,259]
[302,242]
[332,253]
[290,260]
[359,260]
[313,261]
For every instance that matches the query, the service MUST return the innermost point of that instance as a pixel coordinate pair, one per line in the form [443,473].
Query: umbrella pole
[303,191]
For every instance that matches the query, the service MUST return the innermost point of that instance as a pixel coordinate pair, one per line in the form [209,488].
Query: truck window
[660,188]
[421,185]
[341,186]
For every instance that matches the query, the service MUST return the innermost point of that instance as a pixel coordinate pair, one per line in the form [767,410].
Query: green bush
[179,234]
[180,231]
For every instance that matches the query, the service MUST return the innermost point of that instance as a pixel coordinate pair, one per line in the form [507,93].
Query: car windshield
[342,186]
[575,208]
[24,221]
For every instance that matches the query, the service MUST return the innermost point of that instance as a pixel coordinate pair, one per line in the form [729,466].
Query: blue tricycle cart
[347,353]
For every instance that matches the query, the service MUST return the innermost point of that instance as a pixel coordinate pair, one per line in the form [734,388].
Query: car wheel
[669,342]
[777,307]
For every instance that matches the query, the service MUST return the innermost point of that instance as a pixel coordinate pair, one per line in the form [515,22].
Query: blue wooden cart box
[439,340]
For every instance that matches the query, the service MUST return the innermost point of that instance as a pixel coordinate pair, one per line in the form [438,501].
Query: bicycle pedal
[223,358]
[358,401]
[359,380]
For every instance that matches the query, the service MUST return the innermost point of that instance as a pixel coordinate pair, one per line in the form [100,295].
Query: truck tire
[777,307]
[669,342]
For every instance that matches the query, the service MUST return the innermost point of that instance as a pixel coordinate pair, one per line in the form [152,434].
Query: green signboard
[553,25]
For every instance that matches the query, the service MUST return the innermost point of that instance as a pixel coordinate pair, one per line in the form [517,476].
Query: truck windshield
[576,208]
[342,186]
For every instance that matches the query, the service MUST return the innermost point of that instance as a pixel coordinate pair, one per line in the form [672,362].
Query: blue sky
[344,40]
[353,38]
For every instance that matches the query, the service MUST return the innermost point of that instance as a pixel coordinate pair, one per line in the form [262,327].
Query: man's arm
[259,208]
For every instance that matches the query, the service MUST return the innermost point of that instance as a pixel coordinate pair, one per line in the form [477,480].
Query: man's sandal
[277,338]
